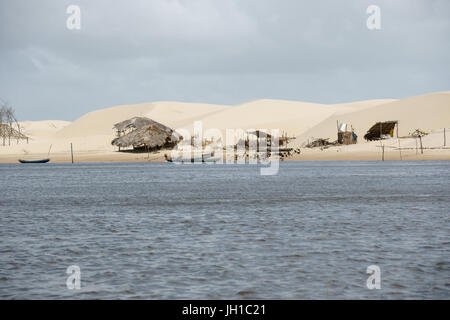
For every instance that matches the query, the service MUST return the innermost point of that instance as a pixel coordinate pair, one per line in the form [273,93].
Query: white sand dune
[178,114]
[92,133]
[100,122]
[349,107]
[172,114]
[427,112]
[289,116]
[39,129]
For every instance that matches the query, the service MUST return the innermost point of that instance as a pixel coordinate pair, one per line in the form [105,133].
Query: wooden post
[421,146]
[337,125]
[444,138]
[382,147]
[399,147]
[71,151]
[417,150]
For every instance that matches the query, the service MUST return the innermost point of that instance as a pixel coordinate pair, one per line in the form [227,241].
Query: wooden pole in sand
[417,151]
[71,151]
[337,126]
[444,138]
[399,147]
[421,146]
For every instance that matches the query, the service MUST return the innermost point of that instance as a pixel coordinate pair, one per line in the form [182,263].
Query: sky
[217,51]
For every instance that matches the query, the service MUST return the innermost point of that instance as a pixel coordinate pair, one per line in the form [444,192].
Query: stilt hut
[283,141]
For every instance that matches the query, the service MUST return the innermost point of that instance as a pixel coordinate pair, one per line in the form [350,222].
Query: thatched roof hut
[142,132]
[380,129]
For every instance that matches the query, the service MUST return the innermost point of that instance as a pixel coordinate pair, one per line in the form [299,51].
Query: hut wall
[345,138]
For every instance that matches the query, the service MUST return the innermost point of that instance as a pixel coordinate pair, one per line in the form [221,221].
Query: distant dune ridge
[92,133]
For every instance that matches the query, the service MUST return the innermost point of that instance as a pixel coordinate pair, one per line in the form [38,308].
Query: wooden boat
[203,158]
[34,161]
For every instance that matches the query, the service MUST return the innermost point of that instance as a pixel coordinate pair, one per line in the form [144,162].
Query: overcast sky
[223,52]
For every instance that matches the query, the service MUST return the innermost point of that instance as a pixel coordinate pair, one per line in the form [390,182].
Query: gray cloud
[224,52]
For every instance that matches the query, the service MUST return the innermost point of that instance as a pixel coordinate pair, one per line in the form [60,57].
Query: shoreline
[311,155]
[98,149]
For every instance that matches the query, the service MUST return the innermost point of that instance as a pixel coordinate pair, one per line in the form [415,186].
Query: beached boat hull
[34,161]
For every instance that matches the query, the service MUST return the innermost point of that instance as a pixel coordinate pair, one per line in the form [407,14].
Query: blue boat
[34,161]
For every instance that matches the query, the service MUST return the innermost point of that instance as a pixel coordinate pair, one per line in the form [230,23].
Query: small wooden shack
[381,130]
[346,134]
[144,134]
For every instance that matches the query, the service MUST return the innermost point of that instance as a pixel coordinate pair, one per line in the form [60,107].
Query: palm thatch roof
[379,129]
[142,132]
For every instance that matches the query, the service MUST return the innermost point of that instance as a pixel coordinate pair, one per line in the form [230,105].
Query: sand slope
[173,114]
[289,116]
[427,112]
[39,129]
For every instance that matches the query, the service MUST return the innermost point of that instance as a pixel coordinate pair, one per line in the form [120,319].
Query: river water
[210,231]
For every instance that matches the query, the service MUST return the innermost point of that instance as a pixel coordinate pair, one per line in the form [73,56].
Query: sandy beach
[91,134]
